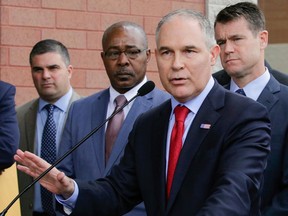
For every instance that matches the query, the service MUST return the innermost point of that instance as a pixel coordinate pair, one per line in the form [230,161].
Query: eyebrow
[126,47]
[46,66]
[185,47]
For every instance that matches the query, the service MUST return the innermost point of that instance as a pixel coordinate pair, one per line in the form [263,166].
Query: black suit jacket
[219,171]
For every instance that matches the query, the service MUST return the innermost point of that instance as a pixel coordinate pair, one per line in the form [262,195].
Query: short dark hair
[123,24]
[249,11]
[50,45]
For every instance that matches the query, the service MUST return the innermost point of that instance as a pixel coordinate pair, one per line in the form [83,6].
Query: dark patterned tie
[114,126]
[48,153]
[240,91]
[181,113]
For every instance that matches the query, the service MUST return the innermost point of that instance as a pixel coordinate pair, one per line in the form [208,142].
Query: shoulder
[160,94]
[25,107]
[94,98]
[6,89]
[280,76]
[6,85]
[222,77]
[161,109]
[75,96]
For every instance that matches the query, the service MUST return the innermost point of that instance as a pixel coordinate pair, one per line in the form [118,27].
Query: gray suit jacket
[26,115]
[88,161]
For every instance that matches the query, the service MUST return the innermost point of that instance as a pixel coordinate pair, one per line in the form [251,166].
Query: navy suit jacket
[88,162]
[219,171]
[275,190]
[9,131]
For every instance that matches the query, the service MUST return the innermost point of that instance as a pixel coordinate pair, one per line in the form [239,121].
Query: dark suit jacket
[27,115]
[275,190]
[9,132]
[88,163]
[219,171]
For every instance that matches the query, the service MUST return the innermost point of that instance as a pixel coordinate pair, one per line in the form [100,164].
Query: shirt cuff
[69,204]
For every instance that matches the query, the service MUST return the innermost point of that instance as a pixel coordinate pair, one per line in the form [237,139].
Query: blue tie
[240,91]
[48,153]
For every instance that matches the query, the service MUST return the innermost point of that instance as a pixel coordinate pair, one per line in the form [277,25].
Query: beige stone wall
[277,56]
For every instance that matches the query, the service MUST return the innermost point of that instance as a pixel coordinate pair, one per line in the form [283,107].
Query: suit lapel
[30,125]
[197,133]
[98,139]
[140,105]
[159,141]
[268,96]
[73,98]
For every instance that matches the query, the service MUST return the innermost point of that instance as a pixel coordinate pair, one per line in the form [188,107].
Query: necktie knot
[240,91]
[49,108]
[181,113]
[120,100]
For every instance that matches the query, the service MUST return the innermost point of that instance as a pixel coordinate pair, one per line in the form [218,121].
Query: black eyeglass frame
[133,54]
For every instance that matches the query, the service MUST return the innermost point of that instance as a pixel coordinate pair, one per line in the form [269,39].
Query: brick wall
[79,24]
[277,26]
[276,19]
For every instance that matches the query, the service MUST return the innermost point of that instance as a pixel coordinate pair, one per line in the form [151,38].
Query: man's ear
[214,51]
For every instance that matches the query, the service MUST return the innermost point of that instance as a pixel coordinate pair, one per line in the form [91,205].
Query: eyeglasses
[130,53]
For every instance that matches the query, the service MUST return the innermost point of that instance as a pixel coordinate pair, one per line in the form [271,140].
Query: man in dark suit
[220,163]
[9,132]
[223,78]
[125,56]
[51,73]
[240,32]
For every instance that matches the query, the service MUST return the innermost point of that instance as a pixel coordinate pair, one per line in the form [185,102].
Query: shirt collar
[62,103]
[129,95]
[194,104]
[254,88]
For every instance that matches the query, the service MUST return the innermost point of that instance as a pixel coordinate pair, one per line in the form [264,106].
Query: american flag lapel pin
[205,126]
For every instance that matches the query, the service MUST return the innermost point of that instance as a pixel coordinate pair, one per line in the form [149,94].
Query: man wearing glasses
[125,56]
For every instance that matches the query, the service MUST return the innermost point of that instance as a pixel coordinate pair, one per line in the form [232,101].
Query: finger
[61,177]
[19,155]
[19,152]
[27,171]
[41,163]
